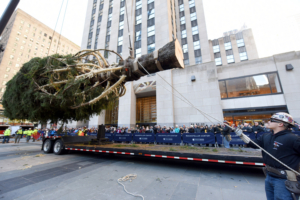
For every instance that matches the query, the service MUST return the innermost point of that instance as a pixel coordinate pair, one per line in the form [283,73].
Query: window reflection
[250,86]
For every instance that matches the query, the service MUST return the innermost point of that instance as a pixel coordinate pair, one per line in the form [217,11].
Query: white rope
[203,113]
[126,178]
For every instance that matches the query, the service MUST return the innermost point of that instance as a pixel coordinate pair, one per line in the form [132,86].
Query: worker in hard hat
[281,182]
[29,133]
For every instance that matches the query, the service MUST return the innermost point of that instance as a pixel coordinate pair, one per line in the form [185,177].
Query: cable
[203,113]
[130,51]
[126,178]
[62,25]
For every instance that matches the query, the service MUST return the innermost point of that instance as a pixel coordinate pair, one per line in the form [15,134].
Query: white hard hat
[284,117]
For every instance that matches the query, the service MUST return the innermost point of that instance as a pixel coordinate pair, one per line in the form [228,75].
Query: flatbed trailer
[62,144]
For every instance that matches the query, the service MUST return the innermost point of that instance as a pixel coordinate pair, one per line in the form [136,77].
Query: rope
[203,113]
[126,178]
[62,26]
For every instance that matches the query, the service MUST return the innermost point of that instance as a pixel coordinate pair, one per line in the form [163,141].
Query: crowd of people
[215,128]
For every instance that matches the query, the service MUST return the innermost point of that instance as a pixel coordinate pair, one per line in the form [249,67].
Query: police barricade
[110,136]
[125,137]
[219,138]
[237,140]
[168,138]
[259,134]
[144,137]
[198,138]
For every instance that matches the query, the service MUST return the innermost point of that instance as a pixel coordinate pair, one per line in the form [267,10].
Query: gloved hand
[238,132]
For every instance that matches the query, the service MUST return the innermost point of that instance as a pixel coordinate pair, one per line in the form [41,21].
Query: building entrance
[146,110]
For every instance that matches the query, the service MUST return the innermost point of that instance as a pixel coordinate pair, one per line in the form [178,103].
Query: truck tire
[58,147]
[48,146]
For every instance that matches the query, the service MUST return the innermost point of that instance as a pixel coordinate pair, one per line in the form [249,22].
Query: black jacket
[258,129]
[218,129]
[284,145]
[191,130]
[247,130]
[226,131]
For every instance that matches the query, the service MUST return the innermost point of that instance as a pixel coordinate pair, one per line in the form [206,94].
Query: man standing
[29,133]
[257,129]
[6,135]
[19,135]
[281,183]
[226,135]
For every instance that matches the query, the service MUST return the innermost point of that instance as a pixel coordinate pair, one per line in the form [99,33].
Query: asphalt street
[27,173]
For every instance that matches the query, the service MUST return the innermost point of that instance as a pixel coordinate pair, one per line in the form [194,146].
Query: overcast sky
[275,23]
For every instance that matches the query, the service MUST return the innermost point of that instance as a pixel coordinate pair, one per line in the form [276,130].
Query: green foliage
[23,100]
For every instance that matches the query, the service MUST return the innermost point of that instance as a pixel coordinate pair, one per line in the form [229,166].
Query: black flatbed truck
[62,144]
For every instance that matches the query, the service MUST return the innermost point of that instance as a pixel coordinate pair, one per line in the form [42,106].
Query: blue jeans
[28,138]
[5,139]
[225,142]
[276,190]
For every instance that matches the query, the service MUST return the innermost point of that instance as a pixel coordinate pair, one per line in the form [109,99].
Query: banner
[144,137]
[237,140]
[198,138]
[219,138]
[168,137]
[126,137]
[110,136]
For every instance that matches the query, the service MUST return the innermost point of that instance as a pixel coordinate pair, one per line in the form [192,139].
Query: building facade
[237,91]
[234,47]
[24,38]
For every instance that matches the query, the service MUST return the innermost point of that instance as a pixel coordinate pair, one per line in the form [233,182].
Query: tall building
[24,38]
[235,46]
[151,25]
[237,91]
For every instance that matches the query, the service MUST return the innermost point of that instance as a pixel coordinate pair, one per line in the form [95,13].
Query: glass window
[11,57]
[4,82]
[218,61]
[198,60]
[193,16]
[151,48]
[183,34]
[227,45]
[17,65]
[122,10]
[182,20]
[138,35]
[120,41]
[185,48]
[138,5]
[222,87]
[151,31]
[181,7]
[109,17]
[186,62]
[138,52]
[230,59]
[216,48]
[150,1]
[138,19]
[191,3]
[17,39]
[251,85]
[151,13]
[195,30]
[196,45]
[243,56]
[7,69]
[240,43]
[121,25]
[274,82]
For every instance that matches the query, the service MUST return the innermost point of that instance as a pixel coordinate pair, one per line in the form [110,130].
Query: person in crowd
[29,133]
[211,129]
[177,130]
[295,128]
[196,129]
[191,129]
[246,128]
[257,128]
[147,130]
[226,134]
[151,129]
[206,129]
[132,130]
[233,127]
[172,130]
[217,128]
[155,129]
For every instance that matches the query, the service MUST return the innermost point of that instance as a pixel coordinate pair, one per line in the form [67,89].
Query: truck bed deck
[242,156]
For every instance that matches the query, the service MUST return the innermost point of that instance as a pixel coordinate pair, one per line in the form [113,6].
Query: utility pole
[7,14]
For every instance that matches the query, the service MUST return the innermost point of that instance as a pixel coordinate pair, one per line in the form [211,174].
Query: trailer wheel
[48,146]
[58,147]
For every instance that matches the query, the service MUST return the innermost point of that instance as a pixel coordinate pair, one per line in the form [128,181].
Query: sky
[275,23]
